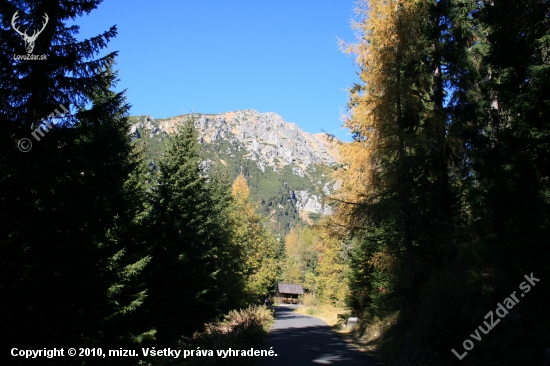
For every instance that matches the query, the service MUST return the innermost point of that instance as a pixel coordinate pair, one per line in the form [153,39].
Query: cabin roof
[290,288]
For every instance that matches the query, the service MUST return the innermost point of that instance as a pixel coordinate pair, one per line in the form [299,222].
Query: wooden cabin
[287,293]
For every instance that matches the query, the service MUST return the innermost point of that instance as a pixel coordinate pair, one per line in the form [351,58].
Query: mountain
[287,169]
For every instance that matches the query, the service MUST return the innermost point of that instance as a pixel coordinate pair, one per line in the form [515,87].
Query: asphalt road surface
[305,340]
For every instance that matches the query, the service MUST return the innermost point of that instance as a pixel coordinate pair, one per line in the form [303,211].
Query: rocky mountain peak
[269,139]
[286,166]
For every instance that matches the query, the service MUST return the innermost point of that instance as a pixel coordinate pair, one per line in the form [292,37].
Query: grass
[240,330]
[366,338]
[327,312]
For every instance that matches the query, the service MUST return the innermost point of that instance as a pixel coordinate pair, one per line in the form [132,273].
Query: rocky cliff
[287,168]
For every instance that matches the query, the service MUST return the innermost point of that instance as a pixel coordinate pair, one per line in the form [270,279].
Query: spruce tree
[187,242]
[506,137]
[446,180]
[68,262]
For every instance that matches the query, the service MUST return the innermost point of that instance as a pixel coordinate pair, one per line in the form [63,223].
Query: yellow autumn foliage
[257,243]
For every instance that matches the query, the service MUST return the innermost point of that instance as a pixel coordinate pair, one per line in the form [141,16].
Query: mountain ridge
[288,169]
[258,131]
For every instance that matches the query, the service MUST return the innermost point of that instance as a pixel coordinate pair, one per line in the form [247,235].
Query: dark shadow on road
[289,314]
[305,340]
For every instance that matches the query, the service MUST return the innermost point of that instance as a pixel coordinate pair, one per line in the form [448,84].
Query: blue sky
[213,56]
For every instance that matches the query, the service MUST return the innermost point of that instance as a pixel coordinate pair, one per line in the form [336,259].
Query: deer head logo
[29,40]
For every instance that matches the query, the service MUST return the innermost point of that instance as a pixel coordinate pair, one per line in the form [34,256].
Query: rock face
[309,202]
[274,145]
[269,139]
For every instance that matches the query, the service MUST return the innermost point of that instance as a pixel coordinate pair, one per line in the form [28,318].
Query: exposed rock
[298,171]
[265,135]
[205,166]
[351,323]
[268,139]
[306,201]
[134,133]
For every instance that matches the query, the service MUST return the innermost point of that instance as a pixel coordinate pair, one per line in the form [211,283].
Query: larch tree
[448,164]
[257,244]
[301,256]
[386,157]
[396,196]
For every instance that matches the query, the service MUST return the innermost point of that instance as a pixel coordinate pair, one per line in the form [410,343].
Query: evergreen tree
[188,242]
[512,135]
[446,179]
[69,268]
[504,127]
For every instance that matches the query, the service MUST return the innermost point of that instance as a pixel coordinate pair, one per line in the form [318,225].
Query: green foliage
[187,241]
[98,248]
[445,185]
[269,189]
[72,266]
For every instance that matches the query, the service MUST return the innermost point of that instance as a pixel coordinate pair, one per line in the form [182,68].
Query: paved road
[305,340]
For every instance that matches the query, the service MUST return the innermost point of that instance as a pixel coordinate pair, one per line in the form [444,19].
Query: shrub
[240,330]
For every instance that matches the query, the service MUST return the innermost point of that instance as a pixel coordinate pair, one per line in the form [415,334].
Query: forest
[98,250]
[445,195]
[443,208]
